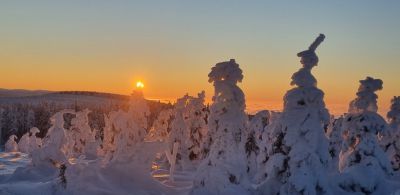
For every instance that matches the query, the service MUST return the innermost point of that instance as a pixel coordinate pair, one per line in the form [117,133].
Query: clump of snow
[303,77]
[298,153]
[11,144]
[223,171]
[362,161]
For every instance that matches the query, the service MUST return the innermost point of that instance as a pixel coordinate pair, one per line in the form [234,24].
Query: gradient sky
[171,45]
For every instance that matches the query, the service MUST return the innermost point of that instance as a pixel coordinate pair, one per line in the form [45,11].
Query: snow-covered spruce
[391,142]
[334,134]
[161,126]
[179,132]
[81,138]
[254,142]
[29,141]
[52,153]
[196,121]
[362,161]
[299,155]
[264,142]
[224,169]
[124,130]
[11,144]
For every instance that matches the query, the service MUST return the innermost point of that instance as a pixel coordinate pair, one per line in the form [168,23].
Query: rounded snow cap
[394,113]
[370,84]
[34,130]
[308,57]
[366,98]
[13,137]
[228,71]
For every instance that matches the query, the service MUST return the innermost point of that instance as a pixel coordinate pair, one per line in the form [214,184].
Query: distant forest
[18,117]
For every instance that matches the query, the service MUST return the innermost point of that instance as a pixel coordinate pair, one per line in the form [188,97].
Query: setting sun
[139,84]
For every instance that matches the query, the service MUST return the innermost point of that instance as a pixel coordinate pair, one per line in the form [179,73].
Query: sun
[139,85]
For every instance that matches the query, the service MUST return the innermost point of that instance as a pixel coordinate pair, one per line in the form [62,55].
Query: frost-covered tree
[391,142]
[81,138]
[264,143]
[34,141]
[298,154]
[162,125]
[196,122]
[179,131]
[224,169]
[23,144]
[53,149]
[11,144]
[254,141]
[124,130]
[334,134]
[29,141]
[362,161]
[139,110]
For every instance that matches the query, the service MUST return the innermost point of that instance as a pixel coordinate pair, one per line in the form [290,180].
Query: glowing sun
[139,85]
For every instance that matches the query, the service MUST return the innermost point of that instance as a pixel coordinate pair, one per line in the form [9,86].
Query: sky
[107,46]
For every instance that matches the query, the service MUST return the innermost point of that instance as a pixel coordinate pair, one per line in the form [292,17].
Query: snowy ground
[9,161]
[135,176]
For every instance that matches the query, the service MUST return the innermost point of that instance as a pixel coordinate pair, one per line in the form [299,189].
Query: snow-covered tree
[264,143]
[29,141]
[254,141]
[81,138]
[124,130]
[179,131]
[334,134]
[391,142]
[162,125]
[11,144]
[53,150]
[224,169]
[23,144]
[34,141]
[139,110]
[196,122]
[362,161]
[298,154]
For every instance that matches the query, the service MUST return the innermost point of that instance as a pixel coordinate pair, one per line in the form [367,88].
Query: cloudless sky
[104,45]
